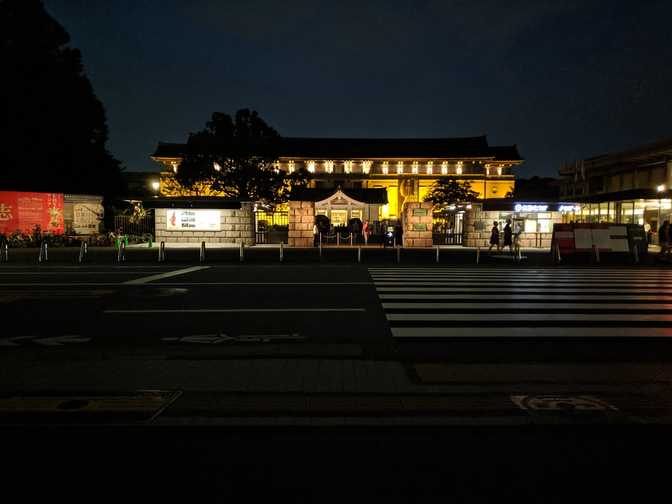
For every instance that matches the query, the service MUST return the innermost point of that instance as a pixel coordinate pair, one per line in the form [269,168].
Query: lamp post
[155,187]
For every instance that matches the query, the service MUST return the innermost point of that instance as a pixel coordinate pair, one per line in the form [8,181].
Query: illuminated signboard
[569,208]
[525,207]
[24,210]
[192,220]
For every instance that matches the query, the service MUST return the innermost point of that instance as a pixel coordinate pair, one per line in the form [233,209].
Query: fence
[142,226]
[271,227]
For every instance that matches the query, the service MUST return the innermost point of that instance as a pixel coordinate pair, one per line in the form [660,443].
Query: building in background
[404,168]
[628,187]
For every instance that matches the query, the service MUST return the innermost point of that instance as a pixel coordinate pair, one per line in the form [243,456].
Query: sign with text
[22,211]
[419,227]
[192,220]
[419,212]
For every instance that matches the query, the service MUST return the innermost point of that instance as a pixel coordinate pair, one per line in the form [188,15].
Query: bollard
[520,255]
[44,255]
[5,252]
[557,253]
[162,251]
[359,254]
[351,239]
[394,241]
[282,252]
[82,253]
[398,255]
[320,246]
[437,254]
[478,254]
[338,238]
[635,252]
[596,251]
[201,257]
[242,251]
[121,253]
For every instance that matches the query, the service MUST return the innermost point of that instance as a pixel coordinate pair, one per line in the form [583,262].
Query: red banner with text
[24,210]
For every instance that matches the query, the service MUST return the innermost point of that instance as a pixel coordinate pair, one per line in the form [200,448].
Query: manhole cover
[561,403]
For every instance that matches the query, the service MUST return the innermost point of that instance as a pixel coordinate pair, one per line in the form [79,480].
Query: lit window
[499,170]
[290,166]
[329,166]
[400,167]
[415,167]
[311,166]
[174,165]
[347,166]
[386,167]
[430,167]
[444,168]
[276,166]
[458,170]
[366,166]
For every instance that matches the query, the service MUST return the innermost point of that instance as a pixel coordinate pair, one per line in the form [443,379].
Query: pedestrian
[315,234]
[508,236]
[365,232]
[664,238]
[399,232]
[494,237]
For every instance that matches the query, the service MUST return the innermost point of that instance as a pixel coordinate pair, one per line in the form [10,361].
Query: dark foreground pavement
[292,380]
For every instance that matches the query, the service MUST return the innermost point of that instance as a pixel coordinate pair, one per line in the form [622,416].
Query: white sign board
[192,220]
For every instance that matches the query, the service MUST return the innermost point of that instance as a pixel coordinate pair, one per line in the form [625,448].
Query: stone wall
[301,221]
[414,237]
[236,226]
[478,225]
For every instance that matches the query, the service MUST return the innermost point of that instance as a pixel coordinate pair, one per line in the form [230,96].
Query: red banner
[23,210]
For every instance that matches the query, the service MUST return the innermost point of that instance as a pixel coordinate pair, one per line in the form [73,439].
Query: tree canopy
[53,128]
[447,191]
[236,156]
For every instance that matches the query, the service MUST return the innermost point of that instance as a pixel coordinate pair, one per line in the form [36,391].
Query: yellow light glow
[660,188]
[415,167]
[430,167]
[386,167]
[499,170]
[458,170]
[216,166]
[366,166]
[347,166]
[290,166]
[156,185]
[311,166]
[329,166]
[400,167]
[444,168]
[174,164]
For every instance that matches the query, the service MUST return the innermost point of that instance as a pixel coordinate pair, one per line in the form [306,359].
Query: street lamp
[660,190]
[155,187]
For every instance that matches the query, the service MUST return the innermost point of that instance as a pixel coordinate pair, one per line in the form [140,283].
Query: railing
[140,227]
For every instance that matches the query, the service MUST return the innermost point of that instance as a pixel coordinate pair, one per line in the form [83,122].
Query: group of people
[510,238]
[664,238]
[366,231]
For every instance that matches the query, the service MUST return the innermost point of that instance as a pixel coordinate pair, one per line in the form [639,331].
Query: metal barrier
[44,253]
[201,256]
[162,251]
[83,251]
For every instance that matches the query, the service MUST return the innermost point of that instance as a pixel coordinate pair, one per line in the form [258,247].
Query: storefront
[533,220]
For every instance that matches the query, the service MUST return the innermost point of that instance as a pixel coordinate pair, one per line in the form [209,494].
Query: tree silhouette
[53,128]
[236,155]
[447,191]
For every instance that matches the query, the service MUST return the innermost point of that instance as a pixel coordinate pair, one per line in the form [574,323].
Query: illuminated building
[404,168]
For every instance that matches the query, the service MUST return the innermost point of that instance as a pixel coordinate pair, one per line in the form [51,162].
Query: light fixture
[366,166]
[156,185]
[216,166]
[347,166]
[290,166]
[311,166]
[400,167]
[386,167]
[444,168]
[329,166]
[660,188]
[430,167]
[499,170]
[415,168]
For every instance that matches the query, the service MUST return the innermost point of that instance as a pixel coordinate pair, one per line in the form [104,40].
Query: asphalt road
[398,361]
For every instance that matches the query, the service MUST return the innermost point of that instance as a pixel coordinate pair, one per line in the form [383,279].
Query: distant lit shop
[533,220]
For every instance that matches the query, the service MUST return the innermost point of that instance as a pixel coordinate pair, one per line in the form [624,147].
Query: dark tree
[53,128]
[236,155]
[447,191]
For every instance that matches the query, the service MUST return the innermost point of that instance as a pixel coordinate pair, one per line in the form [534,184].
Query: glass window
[356,214]
[530,226]
[339,217]
[545,225]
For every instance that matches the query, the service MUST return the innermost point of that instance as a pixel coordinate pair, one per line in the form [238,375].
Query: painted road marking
[214,339]
[168,274]
[431,303]
[237,310]
[531,332]
[561,403]
[175,284]
[60,340]
[11,341]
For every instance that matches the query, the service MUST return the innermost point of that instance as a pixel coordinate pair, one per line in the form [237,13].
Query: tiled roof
[371,196]
[364,148]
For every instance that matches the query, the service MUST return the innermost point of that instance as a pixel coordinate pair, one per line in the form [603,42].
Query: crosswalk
[525,303]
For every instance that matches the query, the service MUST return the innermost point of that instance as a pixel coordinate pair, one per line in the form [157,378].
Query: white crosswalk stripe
[515,303]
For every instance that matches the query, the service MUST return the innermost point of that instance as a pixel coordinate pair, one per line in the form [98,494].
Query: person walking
[316,234]
[365,231]
[494,237]
[508,236]
[664,238]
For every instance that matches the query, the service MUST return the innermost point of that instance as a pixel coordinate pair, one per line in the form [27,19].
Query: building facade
[404,168]
[627,187]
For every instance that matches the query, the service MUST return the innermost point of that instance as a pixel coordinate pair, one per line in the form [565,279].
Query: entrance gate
[271,227]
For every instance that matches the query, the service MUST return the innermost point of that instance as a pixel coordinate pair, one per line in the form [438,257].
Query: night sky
[563,80]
